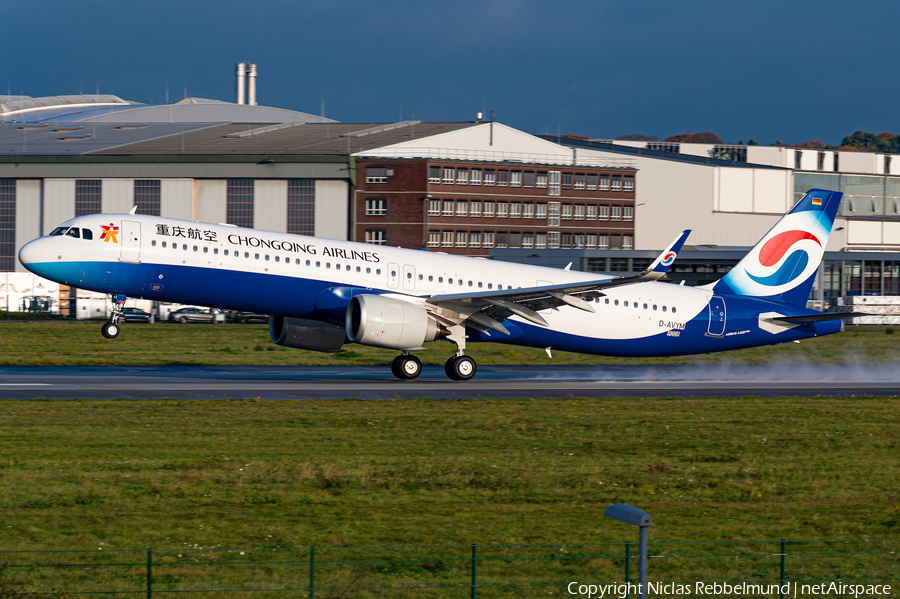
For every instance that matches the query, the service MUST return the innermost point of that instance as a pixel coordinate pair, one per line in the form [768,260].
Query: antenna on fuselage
[133,210]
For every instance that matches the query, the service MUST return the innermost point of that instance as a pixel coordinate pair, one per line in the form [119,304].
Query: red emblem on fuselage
[110,233]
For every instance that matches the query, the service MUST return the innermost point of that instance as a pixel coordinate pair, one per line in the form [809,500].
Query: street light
[631,515]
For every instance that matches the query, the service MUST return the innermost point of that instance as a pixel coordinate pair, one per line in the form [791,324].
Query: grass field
[67,343]
[175,474]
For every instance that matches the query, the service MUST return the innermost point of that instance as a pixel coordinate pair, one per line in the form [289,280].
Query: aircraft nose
[32,252]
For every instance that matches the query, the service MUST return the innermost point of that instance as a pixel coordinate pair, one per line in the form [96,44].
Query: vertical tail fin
[783,265]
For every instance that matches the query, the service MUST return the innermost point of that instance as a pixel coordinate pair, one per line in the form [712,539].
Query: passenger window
[328,265]
[479,284]
[318,264]
[337,266]
[470,283]
[73,232]
[409,276]
[626,303]
[449,281]
[440,279]
[184,247]
[377,271]
[307,262]
[607,301]
[635,305]
[490,285]
[87,234]
[393,273]
[654,307]
[460,282]
[421,277]
[347,268]
[256,256]
[195,248]
[673,309]
[277,258]
[358,269]
[616,302]
[153,243]
[430,278]
[226,252]
[247,255]
[267,257]
[645,306]
[368,270]
[164,244]
[664,308]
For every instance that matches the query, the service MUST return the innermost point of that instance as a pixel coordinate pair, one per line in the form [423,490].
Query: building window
[529,210]
[553,240]
[616,213]
[462,208]
[604,213]
[579,241]
[553,214]
[301,206]
[376,174]
[515,210]
[887,165]
[629,183]
[540,241]
[501,209]
[566,241]
[527,240]
[502,178]
[567,180]
[475,208]
[592,181]
[604,182]
[579,212]
[239,203]
[567,212]
[434,239]
[628,213]
[554,183]
[836,167]
[515,179]
[661,146]
[603,242]
[579,181]
[462,176]
[448,207]
[487,240]
[376,237]
[627,242]
[434,207]
[447,239]
[461,237]
[146,196]
[592,213]
[798,160]
[489,176]
[542,211]
[617,183]
[489,209]
[376,207]
[434,174]
[87,196]
[8,226]
[448,176]
[501,240]
[528,180]
[591,242]
[728,152]
[474,240]
[541,180]
[821,161]
[475,177]
[615,242]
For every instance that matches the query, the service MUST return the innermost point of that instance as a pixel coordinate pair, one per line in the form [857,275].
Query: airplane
[323,293]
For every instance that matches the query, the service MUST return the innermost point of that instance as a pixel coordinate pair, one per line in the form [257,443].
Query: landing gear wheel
[460,368]
[406,367]
[110,330]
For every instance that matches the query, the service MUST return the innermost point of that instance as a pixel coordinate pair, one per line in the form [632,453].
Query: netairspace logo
[621,590]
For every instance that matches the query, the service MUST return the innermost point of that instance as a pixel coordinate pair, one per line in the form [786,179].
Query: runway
[370,382]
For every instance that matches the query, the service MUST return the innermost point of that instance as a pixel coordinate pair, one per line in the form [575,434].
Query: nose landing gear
[111,329]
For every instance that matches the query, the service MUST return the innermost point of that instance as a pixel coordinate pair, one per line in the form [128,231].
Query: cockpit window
[87,234]
[59,230]
[73,232]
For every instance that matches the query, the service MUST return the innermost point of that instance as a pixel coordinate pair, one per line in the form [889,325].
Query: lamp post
[631,515]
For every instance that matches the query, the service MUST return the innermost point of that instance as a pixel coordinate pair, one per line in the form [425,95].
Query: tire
[110,330]
[242,320]
[463,367]
[183,320]
[450,368]
[395,367]
[409,367]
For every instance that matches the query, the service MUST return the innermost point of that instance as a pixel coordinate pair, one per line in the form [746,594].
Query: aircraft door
[409,277]
[716,316]
[393,275]
[131,241]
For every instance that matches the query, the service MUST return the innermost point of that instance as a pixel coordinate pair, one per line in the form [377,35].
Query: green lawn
[68,343]
[169,474]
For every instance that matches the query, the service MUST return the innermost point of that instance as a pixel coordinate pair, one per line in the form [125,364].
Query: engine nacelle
[392,323]
[306,334]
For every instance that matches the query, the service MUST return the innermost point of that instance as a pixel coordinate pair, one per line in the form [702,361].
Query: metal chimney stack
[240,73]
[251,84]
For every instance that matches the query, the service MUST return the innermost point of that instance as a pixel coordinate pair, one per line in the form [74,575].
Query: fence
[457,571]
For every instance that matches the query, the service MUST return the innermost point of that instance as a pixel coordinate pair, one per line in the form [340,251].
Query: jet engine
[306,334]
[392,323]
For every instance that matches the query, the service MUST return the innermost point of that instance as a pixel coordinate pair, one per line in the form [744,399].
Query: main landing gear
[459,367]
[111,329]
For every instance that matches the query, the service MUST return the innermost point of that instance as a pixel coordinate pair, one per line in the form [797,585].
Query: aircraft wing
[485,309]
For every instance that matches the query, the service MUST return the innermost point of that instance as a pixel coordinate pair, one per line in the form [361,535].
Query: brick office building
[469,207]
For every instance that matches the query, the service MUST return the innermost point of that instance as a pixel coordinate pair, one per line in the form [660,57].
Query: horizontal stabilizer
[818,317]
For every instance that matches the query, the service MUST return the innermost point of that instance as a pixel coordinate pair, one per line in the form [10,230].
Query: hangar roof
[208,139]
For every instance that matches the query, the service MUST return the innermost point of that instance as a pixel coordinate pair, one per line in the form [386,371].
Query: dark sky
[767,70]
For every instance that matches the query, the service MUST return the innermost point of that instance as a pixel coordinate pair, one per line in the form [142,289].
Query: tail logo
[773,252]
[668,259]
